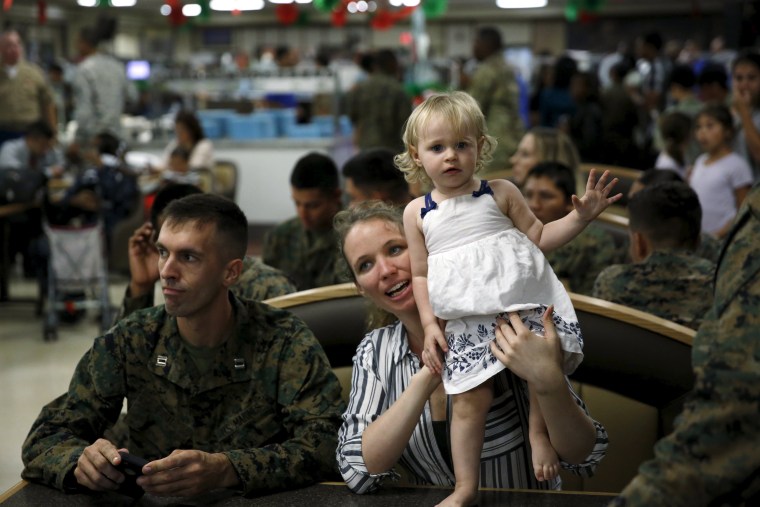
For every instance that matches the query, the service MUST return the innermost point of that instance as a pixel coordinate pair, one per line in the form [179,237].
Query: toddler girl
[475,248]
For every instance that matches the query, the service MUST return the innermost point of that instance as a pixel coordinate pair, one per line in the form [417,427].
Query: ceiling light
[280,1]
[123,3]
[236,5]
[191,10]
[521,4]
[87,3]
[411,3]
[165,10]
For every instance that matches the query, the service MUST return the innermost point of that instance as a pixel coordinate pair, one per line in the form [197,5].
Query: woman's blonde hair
[456,108]
[345,221]
[553,145]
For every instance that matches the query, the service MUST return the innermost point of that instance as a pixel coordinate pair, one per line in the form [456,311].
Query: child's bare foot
[545,459]
[461,497]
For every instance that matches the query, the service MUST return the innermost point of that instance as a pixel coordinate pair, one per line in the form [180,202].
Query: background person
[721,178]
[543,144]
[190,137]
[304,246]
[398,415]
[378,106]
[494,86]
[549,190]
[667,278]
[25,96]
[218,396]
[372,174]
[711,456]
[100,86]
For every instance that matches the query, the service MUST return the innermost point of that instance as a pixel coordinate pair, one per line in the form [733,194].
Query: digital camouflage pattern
[712,455]
[257,282]
[494,86]
[709,247]
[579,262]
[674,285]
[271,404]
[378,108]
[311,259]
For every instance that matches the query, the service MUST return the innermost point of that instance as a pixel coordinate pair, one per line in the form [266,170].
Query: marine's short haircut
[166,196]
[561,175]
[315,171]
[748,56]
[374,170]
[654,176]
[491,37]
[208,209]
[668,214]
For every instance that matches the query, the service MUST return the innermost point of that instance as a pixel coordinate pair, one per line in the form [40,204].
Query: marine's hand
[143,261]
[434,348]
[595,200]
[96,468]
[188,473]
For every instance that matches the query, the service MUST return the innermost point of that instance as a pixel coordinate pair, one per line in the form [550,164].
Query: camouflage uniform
[578,263]
[674,285]
[311,259]
[257,282]
[709,247]
[712,455]
[271,403]
[494,86]
[24,99]
[378,108]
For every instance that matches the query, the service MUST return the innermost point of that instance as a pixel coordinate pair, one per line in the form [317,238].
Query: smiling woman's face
[378,255]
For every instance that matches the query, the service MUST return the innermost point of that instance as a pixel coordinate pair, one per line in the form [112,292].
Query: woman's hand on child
[596,199]
[434,344]
[536,359]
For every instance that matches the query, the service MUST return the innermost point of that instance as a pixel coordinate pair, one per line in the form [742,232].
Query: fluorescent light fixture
[123,3]
[395,3]
[191,10]
[411,3]
[236,5]
[280,1]
[521,4]
[303,1]
[87,3]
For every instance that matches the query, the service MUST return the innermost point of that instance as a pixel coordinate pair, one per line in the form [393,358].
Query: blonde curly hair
[456,108]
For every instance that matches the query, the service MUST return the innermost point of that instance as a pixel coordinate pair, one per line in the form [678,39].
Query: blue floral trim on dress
[468,353]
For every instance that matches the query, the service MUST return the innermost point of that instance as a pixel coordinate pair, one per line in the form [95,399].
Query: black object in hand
[131,466]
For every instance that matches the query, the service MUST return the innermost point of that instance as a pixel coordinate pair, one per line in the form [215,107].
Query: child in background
[675,129]
[474,247]
[721,178]
[178,170]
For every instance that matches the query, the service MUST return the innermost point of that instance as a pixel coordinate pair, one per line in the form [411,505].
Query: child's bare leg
[468,425]
[545,459]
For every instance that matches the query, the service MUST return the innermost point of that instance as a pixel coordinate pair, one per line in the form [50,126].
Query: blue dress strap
[485,188]
[430,205]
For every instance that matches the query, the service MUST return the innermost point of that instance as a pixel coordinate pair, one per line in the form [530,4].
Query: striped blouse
[383,368]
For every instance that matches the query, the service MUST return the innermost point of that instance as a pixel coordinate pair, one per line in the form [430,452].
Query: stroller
[77,265]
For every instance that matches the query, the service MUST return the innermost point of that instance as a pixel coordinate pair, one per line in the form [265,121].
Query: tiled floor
[32,371]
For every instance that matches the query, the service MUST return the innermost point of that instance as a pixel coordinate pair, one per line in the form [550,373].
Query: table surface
[27,494]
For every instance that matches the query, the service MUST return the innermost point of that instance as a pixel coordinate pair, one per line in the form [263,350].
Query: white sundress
[480,266]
